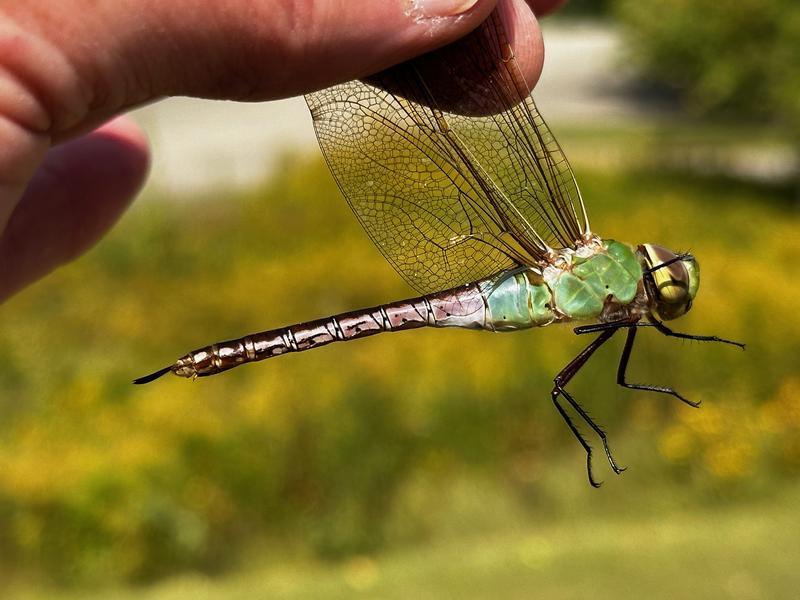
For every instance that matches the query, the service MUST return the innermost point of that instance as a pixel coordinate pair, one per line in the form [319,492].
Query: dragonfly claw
[592,482]
[618,470]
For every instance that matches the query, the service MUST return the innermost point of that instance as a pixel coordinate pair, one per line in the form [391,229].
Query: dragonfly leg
[686,336]
[561,380]
[578,436]
[623,366]
[598,327]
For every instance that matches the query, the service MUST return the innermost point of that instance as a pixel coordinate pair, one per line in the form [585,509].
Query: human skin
[70,164]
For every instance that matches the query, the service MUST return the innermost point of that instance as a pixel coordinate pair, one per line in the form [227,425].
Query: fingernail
[438,8]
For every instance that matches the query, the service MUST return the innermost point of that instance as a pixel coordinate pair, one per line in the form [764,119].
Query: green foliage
[348,448]
[737,57]
[742,551]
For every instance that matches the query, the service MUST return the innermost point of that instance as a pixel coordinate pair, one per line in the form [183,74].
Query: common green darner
[472,201]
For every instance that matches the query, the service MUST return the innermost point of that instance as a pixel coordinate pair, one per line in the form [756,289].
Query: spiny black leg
[561,380]
[623,366]
[685,336]
[598,327]
[554,395]
[597,429]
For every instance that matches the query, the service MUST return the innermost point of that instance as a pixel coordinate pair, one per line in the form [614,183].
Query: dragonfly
[470,198]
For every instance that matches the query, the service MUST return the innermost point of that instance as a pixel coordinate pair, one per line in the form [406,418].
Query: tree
[723,57]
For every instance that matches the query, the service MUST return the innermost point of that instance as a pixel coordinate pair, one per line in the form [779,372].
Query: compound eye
[672,283]
[673,286]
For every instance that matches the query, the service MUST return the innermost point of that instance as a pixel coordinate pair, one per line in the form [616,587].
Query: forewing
[406,189]
[515,147]
[449,197]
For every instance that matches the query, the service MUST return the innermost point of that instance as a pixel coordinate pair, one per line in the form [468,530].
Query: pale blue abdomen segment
[582,293]
[517,302]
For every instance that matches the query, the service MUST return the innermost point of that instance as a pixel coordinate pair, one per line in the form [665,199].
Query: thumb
[238,49]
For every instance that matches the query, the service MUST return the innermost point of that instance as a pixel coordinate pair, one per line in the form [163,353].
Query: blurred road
[204,146]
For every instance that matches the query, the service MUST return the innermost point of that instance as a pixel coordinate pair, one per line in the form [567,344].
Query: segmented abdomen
[459,307]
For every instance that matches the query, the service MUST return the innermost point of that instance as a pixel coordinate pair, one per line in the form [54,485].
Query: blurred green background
[429,464]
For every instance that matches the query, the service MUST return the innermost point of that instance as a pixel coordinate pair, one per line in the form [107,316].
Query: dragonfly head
[671,280]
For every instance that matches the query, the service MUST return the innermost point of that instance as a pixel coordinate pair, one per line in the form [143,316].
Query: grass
[744,551]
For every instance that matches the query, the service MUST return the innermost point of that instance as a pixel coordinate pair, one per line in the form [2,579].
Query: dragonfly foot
[614,467]
[592,482]
[658,389]
[692,403]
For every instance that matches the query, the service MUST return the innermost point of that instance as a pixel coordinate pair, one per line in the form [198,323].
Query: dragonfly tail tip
[152,376]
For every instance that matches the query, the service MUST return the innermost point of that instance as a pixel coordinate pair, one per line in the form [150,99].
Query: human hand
[68,67]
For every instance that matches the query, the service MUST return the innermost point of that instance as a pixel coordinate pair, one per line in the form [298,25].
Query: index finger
[485,72]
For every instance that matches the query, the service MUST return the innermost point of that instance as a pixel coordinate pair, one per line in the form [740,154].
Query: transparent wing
[450,196]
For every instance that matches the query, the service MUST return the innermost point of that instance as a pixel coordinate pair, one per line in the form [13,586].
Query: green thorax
[576,287]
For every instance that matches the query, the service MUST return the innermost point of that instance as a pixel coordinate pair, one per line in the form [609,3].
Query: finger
[525,38]
[76,195]
[238,49]
[474,75]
